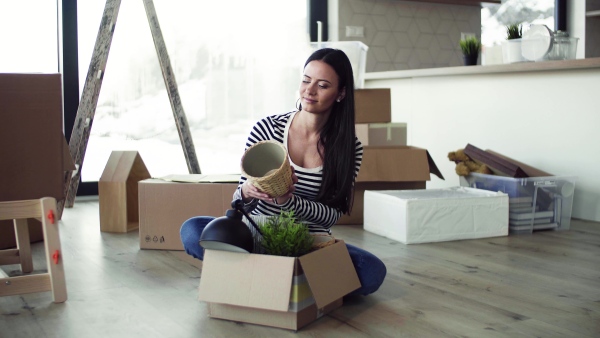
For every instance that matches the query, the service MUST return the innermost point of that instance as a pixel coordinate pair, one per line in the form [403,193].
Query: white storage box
[536,203]
[436,215]
[357,54]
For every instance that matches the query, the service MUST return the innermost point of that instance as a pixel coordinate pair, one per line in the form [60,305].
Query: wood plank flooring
[541,285]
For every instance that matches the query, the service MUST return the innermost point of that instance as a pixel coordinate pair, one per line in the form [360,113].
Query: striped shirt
[318,216]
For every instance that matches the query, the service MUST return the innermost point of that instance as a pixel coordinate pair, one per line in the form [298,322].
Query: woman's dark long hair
[337,138]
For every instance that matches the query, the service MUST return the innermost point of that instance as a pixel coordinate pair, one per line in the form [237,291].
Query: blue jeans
[370,270]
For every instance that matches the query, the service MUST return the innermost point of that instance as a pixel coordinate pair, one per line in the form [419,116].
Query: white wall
[406,34]
[547,119]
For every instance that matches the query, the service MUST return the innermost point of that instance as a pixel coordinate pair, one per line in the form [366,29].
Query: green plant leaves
[514,31]
[284,235]
[470,45]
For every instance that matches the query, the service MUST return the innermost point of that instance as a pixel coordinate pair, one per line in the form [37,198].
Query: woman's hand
[285,197]
[250,192]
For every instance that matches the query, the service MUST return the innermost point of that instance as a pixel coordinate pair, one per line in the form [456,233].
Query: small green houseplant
[514,31]
[470,47]
[511,48]
[284,235]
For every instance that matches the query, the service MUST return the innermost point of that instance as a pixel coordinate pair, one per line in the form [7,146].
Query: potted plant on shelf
[511,48]
[470,47]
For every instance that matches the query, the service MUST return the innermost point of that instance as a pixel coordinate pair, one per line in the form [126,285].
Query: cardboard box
[34,153]
[285,292]
[7,233]
[390,168]
[381,134]
[164,204]
[436,215]
[33,145]
[373,105]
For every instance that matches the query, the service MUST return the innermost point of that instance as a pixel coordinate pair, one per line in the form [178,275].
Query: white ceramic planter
[511,51]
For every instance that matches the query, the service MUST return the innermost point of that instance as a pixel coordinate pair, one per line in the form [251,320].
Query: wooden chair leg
[23,245]
[54,279]
[54,257]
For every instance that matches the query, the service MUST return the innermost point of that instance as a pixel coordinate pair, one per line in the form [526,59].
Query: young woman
[325,156]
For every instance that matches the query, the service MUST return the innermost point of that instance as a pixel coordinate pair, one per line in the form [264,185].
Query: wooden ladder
[91,91]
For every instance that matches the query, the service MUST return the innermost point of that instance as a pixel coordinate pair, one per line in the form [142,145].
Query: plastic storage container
[535,203]
[356,52]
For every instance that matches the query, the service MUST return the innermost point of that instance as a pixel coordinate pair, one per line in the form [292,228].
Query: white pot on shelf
[511,51]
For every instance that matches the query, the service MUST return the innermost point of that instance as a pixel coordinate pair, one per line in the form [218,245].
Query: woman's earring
[298,104]
[338,100]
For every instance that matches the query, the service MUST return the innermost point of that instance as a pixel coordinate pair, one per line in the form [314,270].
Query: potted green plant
[284,235]
[470,47]
[514,31]
[511,48]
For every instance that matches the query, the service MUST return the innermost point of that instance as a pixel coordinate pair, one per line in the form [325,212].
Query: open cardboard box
[34,153]
[390,168]
[284,292]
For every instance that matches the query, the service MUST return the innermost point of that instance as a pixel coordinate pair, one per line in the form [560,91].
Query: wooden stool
[43,209]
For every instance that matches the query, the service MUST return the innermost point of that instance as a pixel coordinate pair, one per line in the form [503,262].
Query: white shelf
[518,67]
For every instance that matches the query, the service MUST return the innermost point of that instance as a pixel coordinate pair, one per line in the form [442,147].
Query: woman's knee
[190,233]
[371,270]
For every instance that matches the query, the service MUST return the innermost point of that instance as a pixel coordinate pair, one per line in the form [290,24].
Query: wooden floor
[541,285]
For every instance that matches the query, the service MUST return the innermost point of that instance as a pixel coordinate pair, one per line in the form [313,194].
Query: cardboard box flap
[68,164]
[433,169]
[529,170]
[498,165]
[201,178]
[329,282]
[248,280]
[396,164]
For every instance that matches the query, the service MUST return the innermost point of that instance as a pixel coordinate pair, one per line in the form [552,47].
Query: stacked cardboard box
[34,153]
[385,166]
[381,134]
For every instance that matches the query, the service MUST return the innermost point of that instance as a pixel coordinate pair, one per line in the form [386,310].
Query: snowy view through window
[234,63]
[494,18]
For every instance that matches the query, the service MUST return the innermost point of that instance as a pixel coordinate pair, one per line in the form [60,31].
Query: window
[495,18]
[29,32]
[233,64]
